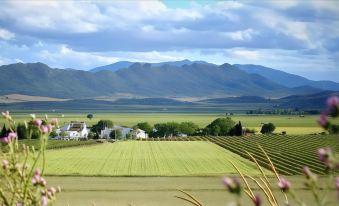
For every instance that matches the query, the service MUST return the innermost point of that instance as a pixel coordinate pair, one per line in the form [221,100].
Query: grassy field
[136,158]
[290,124]
[160,191]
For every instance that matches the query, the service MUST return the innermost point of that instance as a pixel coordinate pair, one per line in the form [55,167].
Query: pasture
[146,158]
[292,124]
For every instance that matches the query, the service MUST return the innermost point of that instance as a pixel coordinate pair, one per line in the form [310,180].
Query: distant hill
[11,98]
[140,79]
[125,64]
[311,101]
[150,101]
[316,101]
[241,99]
[286,79]
[91,104]
[113,67]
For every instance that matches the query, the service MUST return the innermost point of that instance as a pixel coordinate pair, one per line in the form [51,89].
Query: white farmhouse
[74,131]
[139,134]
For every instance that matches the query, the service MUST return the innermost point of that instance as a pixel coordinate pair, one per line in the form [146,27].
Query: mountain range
[166,79]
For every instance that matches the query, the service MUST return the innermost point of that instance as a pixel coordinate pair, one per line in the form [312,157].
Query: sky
[299,37]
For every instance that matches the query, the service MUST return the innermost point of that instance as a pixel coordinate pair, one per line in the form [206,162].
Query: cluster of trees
[96,128]
[295,111]
[224,127]
[219,127]
[169,129]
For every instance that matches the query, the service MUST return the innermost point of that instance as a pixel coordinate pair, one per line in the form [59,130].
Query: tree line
[218,127]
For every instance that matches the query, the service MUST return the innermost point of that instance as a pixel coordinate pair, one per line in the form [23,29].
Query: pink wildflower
[9,138]
[44,129]
[323,120]
[333,102]
[37,179]
[6,115]
[284,185]
[232,184]
[37,122]
[325,156]
[5,164]
[257,200]
[44,200]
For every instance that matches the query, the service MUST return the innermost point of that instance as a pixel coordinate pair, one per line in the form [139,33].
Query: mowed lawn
[141,158]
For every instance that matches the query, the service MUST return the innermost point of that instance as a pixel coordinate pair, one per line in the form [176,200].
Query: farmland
[292,124]
[159,191]
[141,158]
[288,153]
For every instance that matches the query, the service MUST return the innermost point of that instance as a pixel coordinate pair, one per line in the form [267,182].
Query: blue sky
[300,37]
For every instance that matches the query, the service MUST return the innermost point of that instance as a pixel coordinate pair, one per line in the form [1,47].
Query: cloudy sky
[300,37]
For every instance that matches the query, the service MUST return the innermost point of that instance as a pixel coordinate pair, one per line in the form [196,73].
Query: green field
[289,123]
[141,158]
[160,191]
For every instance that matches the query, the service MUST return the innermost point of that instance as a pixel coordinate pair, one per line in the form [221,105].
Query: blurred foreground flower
[232,184]
[22,185]
[284,184]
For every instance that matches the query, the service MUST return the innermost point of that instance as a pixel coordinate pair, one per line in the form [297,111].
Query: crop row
[57,144]
[289,153]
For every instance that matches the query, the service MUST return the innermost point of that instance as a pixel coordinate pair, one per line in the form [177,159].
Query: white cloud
[246,54]
[6,35]
[80,60]
[279,23]
[244,35]
[61,16]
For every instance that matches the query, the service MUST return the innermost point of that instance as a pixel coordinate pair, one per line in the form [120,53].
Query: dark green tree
[267,128]
[167,129]
[145,126]
[33,131]
[161,129]
[53,134]
[22,131]
[238,129]
[188,128]
[220,127]
[116,134]
[90,116]
[3,131]
[102,124]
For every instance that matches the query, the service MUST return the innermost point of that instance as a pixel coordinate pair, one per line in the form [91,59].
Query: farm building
[125,132]
[105,133]
[139,134]
[73,131]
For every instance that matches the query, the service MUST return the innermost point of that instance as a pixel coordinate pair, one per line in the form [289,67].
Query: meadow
[292,124]
[146,158]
